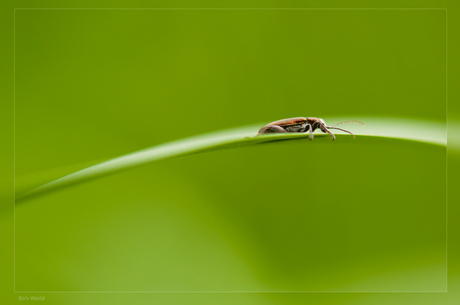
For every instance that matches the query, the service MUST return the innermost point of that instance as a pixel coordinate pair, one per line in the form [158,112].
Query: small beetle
[302,125]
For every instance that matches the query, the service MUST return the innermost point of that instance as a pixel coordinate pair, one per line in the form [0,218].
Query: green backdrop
[367,215]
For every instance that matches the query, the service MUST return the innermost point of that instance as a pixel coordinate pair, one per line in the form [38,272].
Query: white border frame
[217,9]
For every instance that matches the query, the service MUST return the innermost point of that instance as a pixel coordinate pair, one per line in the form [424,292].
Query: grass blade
[433,133]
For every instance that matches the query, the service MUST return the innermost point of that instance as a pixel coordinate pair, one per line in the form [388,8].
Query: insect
[301,124]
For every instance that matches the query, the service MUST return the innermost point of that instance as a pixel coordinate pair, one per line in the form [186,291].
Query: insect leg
[310,129]
[272,129]
[332,135]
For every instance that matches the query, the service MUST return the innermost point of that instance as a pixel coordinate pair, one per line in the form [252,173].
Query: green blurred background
[96,84]
[367,215]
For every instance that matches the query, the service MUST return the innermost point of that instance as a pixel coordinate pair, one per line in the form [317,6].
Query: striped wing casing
[286,122]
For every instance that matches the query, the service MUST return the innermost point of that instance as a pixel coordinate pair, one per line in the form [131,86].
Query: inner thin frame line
[447,157]
[230,291]
[215,9]
[240,9]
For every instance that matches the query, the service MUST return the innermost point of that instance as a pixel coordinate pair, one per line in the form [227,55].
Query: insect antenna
[346,122]
[332,127]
